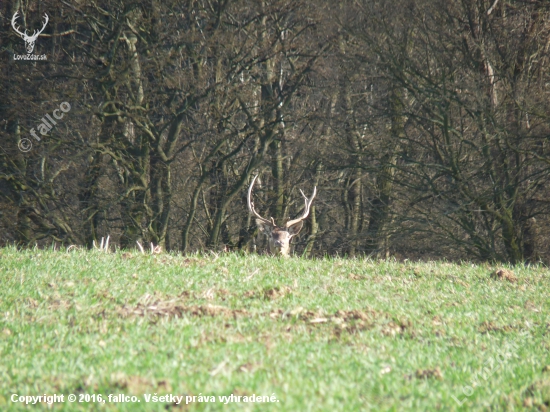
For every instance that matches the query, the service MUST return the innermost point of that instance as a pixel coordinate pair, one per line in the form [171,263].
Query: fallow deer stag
[278,237]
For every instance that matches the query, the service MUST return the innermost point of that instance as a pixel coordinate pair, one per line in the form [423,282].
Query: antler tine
[307,207]
[13,19]
[251,205]
[46,20]
[35,34]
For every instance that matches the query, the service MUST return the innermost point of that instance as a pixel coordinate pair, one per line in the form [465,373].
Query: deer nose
[278,243]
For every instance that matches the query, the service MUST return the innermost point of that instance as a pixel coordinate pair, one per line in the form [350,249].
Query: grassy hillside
[315,335]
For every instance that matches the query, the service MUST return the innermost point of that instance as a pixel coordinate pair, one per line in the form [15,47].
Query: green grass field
[314,335]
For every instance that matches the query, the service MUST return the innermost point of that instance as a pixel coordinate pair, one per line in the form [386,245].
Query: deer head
[279,237]
[29,40]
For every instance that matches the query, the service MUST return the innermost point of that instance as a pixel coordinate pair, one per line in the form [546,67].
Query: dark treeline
[424,125]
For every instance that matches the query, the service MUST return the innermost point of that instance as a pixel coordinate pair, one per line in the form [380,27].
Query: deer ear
[295,228]
[264,227]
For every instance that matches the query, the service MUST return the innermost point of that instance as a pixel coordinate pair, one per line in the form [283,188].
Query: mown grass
[321,335]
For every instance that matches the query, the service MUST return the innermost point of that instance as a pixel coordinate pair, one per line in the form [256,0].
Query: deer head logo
[29,40]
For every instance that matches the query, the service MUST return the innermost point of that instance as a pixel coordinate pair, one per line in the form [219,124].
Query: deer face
[29,44]
[279,237]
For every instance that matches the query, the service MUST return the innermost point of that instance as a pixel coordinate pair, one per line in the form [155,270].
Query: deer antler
[35,34]
[25,36]
[29,40]
[251,205]
[13,19]
[306,208]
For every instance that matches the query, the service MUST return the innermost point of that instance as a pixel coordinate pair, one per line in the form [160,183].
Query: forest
[423,124]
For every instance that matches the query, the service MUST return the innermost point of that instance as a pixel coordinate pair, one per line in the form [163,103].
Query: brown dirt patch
[175,307]
[504,274]
[487,327]
[396,328]
[138,384]
[429,373]
[276,292]
[538,390]
[268,294]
